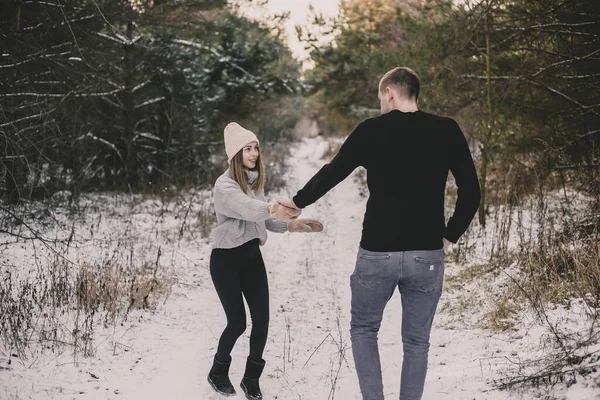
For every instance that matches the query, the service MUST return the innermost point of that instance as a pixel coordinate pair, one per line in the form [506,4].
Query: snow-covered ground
[166,354]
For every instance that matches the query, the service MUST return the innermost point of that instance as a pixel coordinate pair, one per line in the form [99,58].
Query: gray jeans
[419,276]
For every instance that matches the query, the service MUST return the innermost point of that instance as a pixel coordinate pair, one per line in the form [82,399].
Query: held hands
[284,210]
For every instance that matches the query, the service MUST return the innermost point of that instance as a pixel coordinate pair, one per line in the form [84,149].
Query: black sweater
[407,157]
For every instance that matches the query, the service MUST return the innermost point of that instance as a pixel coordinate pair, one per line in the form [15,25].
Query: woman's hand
[305,225]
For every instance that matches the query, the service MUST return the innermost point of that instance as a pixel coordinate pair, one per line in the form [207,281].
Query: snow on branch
[41,52]
[30,94]
[25,118]
[141,85]
[147,135]
[534,83]
[151,101]
[213,52]
[109,37]
[101,140]
[46,3]
[563,62]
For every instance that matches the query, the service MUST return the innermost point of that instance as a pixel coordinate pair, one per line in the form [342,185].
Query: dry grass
[566,269]
[332,150]
[62,303]
[502,316]
[116,288]
[467,274]
[554,258]
[206,219]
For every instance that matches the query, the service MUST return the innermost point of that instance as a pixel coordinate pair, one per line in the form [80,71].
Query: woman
[236,264]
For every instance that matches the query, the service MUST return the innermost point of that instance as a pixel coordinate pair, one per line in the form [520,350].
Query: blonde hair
[236,168]
[403,79]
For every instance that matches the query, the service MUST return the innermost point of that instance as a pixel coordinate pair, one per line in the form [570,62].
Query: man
[407,154]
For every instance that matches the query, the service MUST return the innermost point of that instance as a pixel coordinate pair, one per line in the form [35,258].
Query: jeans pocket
[429,274]
[371,269]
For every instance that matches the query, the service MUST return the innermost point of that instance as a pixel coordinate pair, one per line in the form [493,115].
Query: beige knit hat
[236,138]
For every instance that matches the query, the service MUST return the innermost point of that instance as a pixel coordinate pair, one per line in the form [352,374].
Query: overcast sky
[299,14]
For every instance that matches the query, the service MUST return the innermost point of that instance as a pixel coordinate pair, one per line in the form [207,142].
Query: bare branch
[109,37]
[112,103]
[534,83]
[28,94]
[576,166]
[34,55]
[553,25]
[213,52]
[26,118]
[210,143]
[579,138]
[30,28]
[579,76]
[46,3]
[101,140]
[34,27]
[151,101]
[141,85]
[564,62]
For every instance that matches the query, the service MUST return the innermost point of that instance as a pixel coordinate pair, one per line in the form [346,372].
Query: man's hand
[447,244]
[289,203]
[282,212]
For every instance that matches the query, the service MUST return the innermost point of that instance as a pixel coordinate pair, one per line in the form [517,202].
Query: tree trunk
[129,110]
[488,129]
[14,163]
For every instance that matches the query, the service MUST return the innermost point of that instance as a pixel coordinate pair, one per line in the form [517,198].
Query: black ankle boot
[249,383]
[218,377]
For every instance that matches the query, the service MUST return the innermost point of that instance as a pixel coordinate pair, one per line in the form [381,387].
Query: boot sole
[218,391]
[246,393]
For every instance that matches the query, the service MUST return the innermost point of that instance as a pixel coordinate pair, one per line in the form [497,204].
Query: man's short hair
[404,80]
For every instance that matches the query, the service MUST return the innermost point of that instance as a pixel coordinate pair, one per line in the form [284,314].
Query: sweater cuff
[452,238]
[298,202]
[263,212]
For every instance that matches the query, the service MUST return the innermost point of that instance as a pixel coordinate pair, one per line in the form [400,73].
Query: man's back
[407,157]
[407,154]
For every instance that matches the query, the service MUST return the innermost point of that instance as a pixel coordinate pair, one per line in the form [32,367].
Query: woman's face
[250,155]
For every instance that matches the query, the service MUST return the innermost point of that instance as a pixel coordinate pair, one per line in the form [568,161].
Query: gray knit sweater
[241,217]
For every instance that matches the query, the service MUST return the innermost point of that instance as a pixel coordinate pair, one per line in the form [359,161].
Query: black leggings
[234,272]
